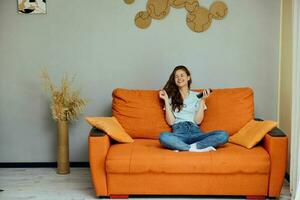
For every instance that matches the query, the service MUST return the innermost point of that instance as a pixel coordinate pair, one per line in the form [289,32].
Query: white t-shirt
[189,109]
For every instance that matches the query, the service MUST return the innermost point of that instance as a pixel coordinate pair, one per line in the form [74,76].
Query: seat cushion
[141,114]
[146,155]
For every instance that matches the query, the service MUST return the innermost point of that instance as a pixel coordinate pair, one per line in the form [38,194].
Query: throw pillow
[252,133]
[111,126]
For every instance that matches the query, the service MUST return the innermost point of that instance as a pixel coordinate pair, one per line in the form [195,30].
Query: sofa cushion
[111,126]
[139,112]
[252,133]
[141,115]
[146,155]
[228,109]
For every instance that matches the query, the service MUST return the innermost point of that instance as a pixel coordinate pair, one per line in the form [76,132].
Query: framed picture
[32,6]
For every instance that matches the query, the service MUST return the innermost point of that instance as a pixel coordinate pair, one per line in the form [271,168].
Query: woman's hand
[206,93]
[163,95]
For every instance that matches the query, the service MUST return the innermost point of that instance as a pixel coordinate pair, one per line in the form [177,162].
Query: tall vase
[63,165]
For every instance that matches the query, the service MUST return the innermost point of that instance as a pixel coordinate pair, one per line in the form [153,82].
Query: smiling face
[181,78]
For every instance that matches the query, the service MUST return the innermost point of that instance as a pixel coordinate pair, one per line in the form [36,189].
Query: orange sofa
[144,167]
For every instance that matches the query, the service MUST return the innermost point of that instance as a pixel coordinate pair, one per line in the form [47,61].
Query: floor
[45,184]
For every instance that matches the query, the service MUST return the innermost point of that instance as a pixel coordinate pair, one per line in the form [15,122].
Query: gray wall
[98,41]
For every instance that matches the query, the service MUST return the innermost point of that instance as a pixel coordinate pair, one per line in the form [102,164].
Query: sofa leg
[255,197]
[118,196]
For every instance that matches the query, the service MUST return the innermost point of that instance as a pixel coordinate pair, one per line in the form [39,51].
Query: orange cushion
[252,133]
[139,112]
[147,155]
[111,126]
[228,109]
[141,115]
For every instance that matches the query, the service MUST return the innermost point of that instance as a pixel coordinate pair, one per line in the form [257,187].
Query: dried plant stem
[66,103]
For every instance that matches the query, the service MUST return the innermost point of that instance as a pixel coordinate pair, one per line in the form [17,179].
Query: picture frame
[32,6]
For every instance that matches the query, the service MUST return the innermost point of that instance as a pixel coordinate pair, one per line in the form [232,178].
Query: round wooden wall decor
[158,9]
[177,3]
[218,10]
[142,19]
[198,18]
[128,1]
[191,5]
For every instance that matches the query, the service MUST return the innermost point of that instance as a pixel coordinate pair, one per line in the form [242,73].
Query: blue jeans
[186,133]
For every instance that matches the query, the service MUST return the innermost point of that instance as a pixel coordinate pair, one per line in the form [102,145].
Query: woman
[184,111]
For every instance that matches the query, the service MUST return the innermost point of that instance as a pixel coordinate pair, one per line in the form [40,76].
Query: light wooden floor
[44,183]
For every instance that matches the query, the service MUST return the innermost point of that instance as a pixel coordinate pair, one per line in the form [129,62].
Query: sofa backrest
[141,115]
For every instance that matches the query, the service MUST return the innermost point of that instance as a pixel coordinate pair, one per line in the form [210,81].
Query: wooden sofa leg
[118,196]
[255,197]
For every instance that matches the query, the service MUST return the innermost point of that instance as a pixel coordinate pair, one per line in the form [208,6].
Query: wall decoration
[158,9]
[142,19]
[32,6]
[129,1]
[198,18]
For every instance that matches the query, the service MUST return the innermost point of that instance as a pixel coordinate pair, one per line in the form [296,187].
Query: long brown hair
[172,89]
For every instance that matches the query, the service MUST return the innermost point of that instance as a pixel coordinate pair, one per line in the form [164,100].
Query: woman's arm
[202,107]
[169,114]
[170,118]
[200,113]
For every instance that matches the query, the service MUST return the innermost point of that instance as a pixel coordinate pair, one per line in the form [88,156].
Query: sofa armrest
[99,144]
[94,132]
[276,132]
[276,144]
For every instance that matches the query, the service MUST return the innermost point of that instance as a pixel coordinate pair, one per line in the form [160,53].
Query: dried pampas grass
[66,102]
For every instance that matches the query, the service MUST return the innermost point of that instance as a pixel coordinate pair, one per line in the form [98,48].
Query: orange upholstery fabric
[252,133]
[147,156]
[98,148]
[277,149]
[145,167]
[188,184]
[139,112]
[111,126]
[228,109]
[141,115]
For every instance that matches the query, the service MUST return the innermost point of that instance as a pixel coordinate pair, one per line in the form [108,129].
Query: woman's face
[181,78]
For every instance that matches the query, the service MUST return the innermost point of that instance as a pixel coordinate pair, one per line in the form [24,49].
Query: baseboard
[40,164]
